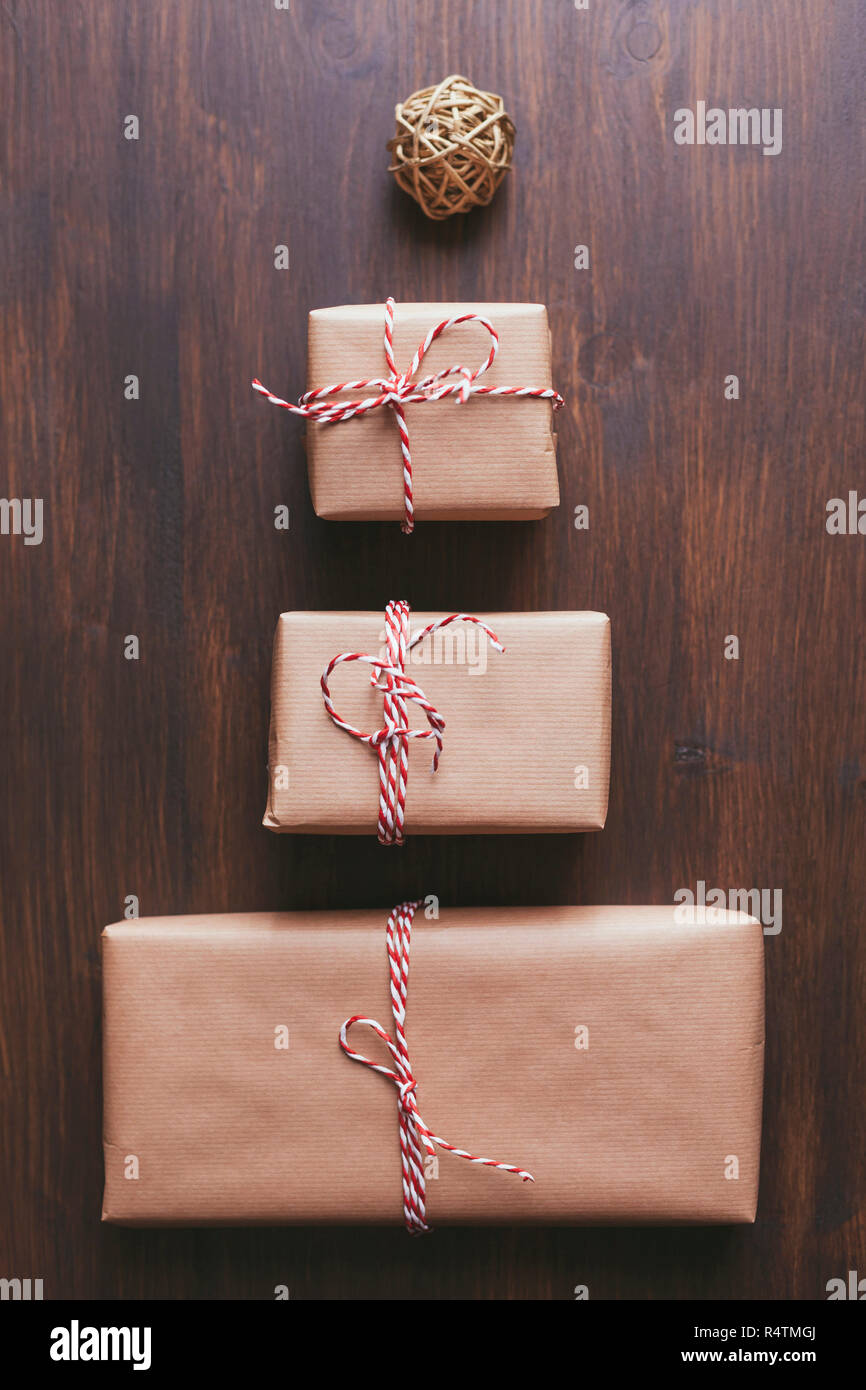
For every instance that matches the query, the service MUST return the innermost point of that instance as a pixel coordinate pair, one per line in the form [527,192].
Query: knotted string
[416,1138]
[392,741]
[399,389]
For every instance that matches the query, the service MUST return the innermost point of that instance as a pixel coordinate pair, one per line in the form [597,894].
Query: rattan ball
[452,148]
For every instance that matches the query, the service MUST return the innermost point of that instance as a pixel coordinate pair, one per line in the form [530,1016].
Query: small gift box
[442,723]
[429,411]
[541,1065]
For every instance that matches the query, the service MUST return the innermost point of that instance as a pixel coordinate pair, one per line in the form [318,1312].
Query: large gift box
[526,738]
[491,456]
[613,1053]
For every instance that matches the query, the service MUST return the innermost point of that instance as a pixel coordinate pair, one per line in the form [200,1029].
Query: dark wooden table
[155,258]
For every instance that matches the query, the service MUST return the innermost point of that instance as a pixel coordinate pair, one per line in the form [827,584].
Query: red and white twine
[416,1138]
[392,741]
[399,389]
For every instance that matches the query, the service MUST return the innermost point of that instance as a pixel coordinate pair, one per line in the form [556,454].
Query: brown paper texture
[491,458]
[645,1124]
[527,736]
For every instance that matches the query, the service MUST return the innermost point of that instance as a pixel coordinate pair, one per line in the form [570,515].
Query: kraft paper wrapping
[656,1120]
[527,736]
[492,458]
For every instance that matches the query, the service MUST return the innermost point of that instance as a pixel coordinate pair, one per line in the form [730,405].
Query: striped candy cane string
[399,389]
[416,1138]
[392,741]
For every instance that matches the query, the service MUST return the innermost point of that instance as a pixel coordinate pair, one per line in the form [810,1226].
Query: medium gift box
[429,412]
[571,1065]
[490,724]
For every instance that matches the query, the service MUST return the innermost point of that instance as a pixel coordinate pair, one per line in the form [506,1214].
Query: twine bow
[399,389]
[416,1138]
[392,741]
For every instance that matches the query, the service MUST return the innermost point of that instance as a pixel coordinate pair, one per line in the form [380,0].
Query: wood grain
[156,257]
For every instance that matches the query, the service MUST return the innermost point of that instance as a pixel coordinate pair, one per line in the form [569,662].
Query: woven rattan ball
[453,147]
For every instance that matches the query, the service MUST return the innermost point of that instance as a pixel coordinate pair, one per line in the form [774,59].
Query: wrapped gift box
[527,736]
[490,458]
[614,1052]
